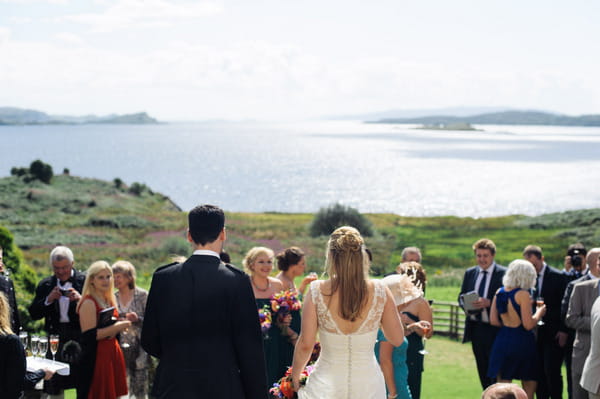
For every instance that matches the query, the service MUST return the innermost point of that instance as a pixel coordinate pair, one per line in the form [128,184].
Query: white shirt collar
[206,252]
[541,273]
[489,270]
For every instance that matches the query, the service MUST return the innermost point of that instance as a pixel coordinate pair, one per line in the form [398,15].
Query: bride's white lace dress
[347,367]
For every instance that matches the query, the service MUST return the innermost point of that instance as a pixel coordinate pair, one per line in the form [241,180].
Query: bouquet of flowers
[284,302]
[264,316]
[283,388]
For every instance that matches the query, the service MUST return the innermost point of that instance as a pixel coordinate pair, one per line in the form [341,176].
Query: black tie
[538,291]
[481,289]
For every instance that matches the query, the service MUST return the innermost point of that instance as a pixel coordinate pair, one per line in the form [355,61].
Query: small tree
[41,171]
[328,219]
[118,183]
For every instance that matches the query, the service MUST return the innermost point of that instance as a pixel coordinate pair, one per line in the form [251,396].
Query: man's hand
[561,338]
[54,295]
[482,303]
[73,295]
[567,263]
[48,374]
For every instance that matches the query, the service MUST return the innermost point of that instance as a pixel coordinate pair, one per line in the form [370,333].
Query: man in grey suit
[201,322]
[591,369]
[578,317]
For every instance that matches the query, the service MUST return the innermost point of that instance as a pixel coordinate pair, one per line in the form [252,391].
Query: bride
[347,311]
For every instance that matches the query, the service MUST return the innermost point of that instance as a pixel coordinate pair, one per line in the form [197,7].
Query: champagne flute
[43,343]
[539,302]
[23,337]
[123,334]
[35,341]
[54,346]
[426,330]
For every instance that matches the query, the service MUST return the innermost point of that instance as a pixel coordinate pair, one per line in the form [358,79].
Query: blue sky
[267,59]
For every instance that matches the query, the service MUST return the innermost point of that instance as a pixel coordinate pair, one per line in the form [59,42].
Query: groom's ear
[222,235]
[189,237]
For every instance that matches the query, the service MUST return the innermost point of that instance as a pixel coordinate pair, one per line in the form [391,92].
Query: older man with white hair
[56,299]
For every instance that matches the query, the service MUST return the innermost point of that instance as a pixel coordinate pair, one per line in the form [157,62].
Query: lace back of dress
[326,320]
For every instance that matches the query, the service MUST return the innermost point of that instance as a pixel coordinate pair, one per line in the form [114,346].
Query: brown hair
[415,271]
[127,269]
[532,250]
[485,243]
[347,265]
[289,257]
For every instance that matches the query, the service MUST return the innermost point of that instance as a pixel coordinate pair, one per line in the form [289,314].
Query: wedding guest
[258,263]
[393,360]
[104,375]
[411,254]
[56,300]
[292,263]
[514,351]
[131,301]
[7,287]
[414,311]
[346,311]
[504,390]
[13,375]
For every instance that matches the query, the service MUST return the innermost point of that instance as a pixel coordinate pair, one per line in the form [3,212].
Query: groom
[202,323]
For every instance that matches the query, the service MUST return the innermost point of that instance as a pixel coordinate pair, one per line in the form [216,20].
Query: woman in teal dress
[258,263]
[393,360]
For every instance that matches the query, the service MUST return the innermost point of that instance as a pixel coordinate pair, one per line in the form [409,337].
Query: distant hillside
[503,118]
[19,116]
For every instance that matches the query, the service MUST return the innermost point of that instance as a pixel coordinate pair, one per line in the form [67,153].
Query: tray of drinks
[36,363]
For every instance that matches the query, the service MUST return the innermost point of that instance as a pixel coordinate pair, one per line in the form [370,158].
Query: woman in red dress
[108,379]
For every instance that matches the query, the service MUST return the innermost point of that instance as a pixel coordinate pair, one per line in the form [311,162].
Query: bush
[41,171]
[328,219]
[118,183]
[137,188]
[14,171]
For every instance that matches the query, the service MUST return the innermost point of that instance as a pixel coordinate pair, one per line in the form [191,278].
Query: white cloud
[4,35]
[69,38]
[127,14]
[61,2]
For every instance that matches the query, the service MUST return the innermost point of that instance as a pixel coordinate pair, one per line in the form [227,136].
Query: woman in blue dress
[513,355]
[392,360]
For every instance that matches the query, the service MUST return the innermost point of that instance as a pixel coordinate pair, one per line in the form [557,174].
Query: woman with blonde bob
[103,366]
[347,311]
[513,354]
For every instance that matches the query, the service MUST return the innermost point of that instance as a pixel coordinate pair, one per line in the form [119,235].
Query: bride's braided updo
[347,266]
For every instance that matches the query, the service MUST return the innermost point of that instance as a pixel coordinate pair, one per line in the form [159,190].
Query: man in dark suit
[201,321]
[552,335]
[56,299]
[484,279]
[7,287]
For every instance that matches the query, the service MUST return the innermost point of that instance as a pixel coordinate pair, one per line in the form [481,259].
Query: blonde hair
[127,269]
[89,289]
[415,271]
[5,328]
[520,274]
[347,265]
[254,253]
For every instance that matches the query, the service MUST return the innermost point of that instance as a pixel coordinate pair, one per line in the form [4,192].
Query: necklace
[261,289]
[289,280]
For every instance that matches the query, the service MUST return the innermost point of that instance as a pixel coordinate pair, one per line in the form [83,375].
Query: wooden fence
[448,319]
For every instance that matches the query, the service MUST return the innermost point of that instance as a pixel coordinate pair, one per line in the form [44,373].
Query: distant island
[501,118]
[451,126]
[20,116]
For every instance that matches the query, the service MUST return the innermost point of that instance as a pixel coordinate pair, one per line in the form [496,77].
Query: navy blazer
[554,285]
[202,323]
[468,284]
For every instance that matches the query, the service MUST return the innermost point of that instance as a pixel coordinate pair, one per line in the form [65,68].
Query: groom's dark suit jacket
[201,321]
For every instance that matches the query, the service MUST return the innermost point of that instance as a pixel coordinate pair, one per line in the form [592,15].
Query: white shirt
[485,317]
[206,252]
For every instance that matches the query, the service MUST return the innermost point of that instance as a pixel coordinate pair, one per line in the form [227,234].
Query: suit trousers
[550,357]
[577,391]
[482,340]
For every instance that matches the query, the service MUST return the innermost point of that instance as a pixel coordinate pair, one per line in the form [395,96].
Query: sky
[287,59]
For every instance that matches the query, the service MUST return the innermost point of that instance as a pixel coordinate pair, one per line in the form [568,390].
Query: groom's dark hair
[206,223]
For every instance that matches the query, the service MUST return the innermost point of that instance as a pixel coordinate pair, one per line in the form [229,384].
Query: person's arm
[387,367]
[306,340]
[309,278]
[38,308]
[390,321]
[247,340]
[528,320]
[15,373]
[494,318]
[87,321]
[150,338]
[575,314]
